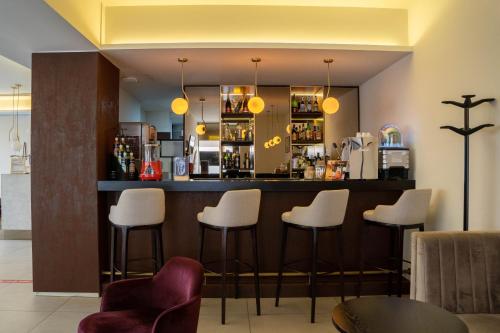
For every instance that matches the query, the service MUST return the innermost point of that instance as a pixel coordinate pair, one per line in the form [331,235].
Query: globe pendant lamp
[180,105]
[330,104]
[256,104]
[201,128]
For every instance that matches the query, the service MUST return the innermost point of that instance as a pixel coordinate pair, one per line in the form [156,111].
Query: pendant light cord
[255,79]
[202,120]
[182,82]
[328,91]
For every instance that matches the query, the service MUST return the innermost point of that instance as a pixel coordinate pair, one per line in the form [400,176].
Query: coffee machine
[393,157]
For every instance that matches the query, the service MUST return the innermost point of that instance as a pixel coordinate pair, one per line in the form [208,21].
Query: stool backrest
[412,207]
[237,208]
[328,208]
[143,206]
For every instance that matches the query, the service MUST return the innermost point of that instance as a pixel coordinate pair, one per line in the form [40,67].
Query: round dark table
[394,315]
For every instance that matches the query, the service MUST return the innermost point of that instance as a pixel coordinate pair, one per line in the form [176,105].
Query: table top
[393,314]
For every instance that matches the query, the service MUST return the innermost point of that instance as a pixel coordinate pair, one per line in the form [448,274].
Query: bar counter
[184,199]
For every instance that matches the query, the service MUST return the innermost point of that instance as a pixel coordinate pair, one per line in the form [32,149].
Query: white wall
[456,52]
[24,134]
[130,107]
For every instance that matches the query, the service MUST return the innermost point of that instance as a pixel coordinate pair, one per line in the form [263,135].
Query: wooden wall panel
[75,106]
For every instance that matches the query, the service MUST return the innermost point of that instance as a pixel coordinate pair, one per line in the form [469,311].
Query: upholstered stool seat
[137,209]
[409,212]
[325,213]
[235,212]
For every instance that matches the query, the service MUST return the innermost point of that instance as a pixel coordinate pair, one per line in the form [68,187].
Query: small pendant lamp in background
[201,128]
[180,105]
[330,104]
[256,104]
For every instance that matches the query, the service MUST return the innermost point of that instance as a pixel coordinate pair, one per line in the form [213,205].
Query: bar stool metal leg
[125,232]
[256,268]
[392,259]
[113,251]
[362,240]
[154,250]
[399,258]
[159,242]
[313,272]
[339,259]
[236,264]
[224,264]
[284,236]
[202,242]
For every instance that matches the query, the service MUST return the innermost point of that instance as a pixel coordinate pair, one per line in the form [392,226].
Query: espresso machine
[393,157]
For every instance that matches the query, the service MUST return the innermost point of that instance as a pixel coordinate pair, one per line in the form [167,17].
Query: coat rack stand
[466,131]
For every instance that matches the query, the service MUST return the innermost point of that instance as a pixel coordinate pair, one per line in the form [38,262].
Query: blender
[151,164]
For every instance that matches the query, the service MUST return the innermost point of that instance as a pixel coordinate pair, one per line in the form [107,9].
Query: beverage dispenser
[151,164]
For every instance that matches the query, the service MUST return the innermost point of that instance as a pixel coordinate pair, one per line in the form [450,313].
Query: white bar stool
[325,213]
[236,211]
[138,209]
[409,212]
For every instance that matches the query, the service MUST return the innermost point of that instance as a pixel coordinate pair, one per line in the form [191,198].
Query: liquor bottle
[302,105]
[313,133]
[239,132]
[131,167]
[239,105]
[228,108]
[250,132]
[295,104]
[308,104]
[245,103]
[294,133]
[116,147]
[315,107]
[318,133]
[246,163]
[308,132]
[250,163]
[301,133]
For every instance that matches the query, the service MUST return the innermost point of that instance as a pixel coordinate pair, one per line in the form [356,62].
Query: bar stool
[325,213]
[138,209]
[236,211]
[409,212]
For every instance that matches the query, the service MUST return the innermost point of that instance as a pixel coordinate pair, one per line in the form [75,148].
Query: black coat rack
[466,131]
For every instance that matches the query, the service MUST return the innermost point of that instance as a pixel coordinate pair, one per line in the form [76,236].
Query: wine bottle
[245,103]
[308,104]
[315,105]
[228,108]
[131,167]
[295,104]
[302,105]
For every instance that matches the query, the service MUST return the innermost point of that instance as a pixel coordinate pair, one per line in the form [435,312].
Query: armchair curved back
[177,282]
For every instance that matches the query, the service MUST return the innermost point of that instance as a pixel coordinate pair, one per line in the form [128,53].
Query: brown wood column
[74,120]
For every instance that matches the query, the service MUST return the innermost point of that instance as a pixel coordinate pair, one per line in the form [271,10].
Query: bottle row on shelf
[233,161]
[305,104]
[306,133]
[238,132]
[124,161]
[236,104]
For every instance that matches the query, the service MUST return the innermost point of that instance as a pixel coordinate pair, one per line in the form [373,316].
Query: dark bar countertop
[266,185]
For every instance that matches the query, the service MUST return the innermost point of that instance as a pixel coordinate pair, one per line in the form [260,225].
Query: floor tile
[20,322]
[81,304]
[234,324]
[20,297]
[290,323]
[212,307]
[61,322]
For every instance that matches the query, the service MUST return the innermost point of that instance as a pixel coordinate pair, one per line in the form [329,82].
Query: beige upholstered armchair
[459,271]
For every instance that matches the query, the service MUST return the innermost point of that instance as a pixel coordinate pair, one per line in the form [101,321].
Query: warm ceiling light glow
[256,104]
[201,129]
[330,104]
[24,103]
[180,105]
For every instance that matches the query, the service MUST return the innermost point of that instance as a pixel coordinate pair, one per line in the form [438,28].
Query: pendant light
[180,105]
[201,128]
[256,104]
[330,104]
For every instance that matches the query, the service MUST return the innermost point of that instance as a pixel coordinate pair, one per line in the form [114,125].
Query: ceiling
[158,71]
[28,26]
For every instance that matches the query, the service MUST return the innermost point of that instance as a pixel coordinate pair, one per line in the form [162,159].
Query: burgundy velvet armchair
[168,302]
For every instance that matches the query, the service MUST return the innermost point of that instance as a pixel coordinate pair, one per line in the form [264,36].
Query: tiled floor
[21,311]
